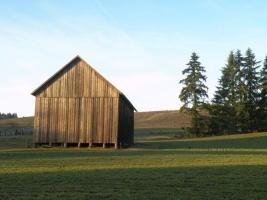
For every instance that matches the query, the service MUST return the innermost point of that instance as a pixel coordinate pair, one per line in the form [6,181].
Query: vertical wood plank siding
[80,80]
[79,106]
[73,120]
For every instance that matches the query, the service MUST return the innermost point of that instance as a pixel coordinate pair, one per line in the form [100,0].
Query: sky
[139,46]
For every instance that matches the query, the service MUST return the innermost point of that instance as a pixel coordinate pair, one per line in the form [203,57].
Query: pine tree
[224,102]
[251,92]
[239,84]
[241,117]
[194,92]
[263,98]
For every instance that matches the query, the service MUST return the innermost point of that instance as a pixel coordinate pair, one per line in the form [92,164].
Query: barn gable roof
[70,64]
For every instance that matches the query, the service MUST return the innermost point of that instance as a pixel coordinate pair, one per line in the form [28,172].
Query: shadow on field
[241,143]
[65,155]
[224,182]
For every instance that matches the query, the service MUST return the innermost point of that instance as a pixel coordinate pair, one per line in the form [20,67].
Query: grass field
[222,167]
[23,121]
[172,119]
[146,134]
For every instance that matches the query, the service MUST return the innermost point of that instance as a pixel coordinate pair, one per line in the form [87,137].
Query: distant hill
[23,121]
[16,126]
[153,119]
[161,119]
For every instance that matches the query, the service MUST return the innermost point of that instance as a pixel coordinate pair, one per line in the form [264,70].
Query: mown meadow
[222,167]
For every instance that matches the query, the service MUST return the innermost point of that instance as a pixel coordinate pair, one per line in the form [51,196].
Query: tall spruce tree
[225,98]
[239,84]
[194,92]
[263,98]
[251,85]
[240,91]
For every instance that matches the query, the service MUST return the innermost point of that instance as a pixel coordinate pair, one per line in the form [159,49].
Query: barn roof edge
[77,59]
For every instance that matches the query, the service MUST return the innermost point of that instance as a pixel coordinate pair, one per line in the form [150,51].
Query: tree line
[240,100]
[8,115]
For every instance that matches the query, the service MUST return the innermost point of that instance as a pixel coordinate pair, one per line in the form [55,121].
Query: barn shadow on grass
[223,182]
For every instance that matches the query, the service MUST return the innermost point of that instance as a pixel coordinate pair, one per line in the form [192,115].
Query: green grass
[222,167]
[15,142]
[147,134]
[238,141]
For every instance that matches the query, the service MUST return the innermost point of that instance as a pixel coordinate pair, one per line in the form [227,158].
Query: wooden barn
[77,106]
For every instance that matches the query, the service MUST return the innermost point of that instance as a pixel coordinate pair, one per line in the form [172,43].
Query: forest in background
[239,104]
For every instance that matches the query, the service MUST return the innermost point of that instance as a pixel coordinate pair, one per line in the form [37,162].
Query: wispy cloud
[143,55]
[34,51]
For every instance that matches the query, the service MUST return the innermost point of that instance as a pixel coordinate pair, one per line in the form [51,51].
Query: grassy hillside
[158,166]
[16,127]
[23,121]
[251,141]
[223,167]
[161,119]
[157,121]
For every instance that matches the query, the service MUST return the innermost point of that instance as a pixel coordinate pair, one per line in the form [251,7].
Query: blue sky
[140,46]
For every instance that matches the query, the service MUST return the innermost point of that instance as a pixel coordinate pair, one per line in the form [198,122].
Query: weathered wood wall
[76,120]
[77,105]
[79,80]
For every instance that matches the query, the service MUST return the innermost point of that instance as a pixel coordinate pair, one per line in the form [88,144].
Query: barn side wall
[126,123]
[76,120]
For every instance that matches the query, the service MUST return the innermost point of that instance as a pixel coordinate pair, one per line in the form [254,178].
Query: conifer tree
[224,102]
[251,92]
[240,87]
[194,92]
[263,98]
[240,91]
